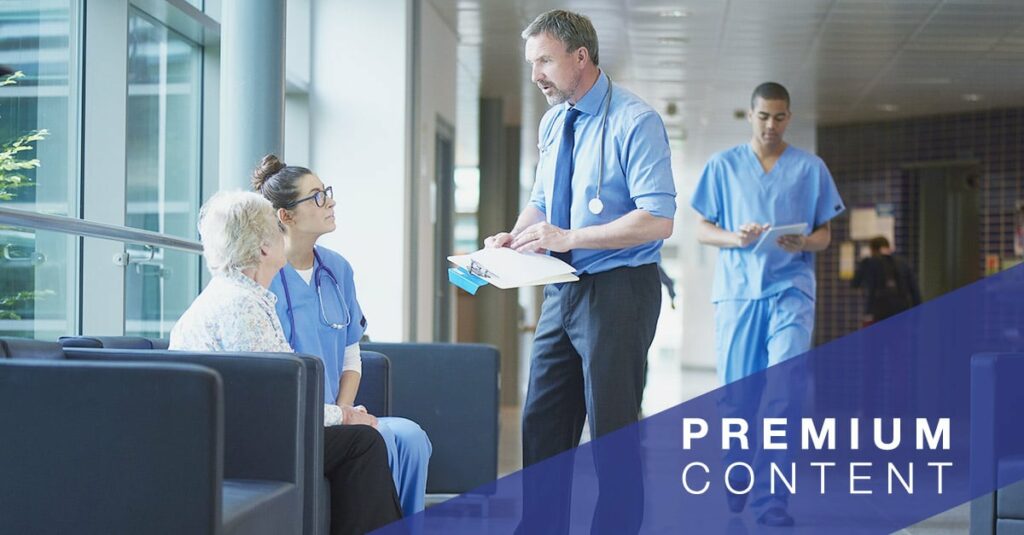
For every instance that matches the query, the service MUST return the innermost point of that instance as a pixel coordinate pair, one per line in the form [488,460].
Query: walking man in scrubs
[764,300]
[603,201]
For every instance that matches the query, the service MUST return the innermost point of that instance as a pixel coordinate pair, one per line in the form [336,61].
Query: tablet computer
[768,239]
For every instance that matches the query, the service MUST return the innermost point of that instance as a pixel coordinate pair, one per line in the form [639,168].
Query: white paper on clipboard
[769,239]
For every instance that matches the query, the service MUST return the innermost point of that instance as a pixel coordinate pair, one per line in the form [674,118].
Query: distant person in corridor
[889,285]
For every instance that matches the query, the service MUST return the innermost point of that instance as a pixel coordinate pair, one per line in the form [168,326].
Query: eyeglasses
[320,198]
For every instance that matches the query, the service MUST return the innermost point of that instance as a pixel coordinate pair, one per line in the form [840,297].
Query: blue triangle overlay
[958,357]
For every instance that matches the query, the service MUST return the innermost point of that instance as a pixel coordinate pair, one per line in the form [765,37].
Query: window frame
[103,142]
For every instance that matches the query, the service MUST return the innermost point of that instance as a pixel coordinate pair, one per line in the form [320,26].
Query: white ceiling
[843,60]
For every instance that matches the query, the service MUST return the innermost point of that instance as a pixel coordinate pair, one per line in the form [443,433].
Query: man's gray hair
[233,225]
[573,29]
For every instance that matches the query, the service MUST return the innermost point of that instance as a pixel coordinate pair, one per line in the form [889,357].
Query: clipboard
[505,268]
[768,239]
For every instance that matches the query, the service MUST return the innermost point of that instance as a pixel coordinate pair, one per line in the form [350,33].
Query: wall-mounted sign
[847,262]
[992,264]
[869,222]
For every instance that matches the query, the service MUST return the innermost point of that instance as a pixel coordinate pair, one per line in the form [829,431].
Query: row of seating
[130,438]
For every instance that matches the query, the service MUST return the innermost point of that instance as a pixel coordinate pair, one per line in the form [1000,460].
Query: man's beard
[557,98]
[564,96]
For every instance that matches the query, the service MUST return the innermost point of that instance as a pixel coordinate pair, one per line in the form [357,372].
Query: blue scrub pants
[750,336]
[589,357]
[408,455]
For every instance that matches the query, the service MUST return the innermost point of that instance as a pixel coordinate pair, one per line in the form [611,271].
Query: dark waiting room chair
[374,393]
[115,441]
[452,392]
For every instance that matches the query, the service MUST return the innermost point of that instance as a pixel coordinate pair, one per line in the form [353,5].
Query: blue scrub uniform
[408,446]
[764,302]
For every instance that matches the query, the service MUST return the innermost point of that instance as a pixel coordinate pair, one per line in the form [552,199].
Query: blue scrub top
[312,336]
[637,170]
[734,190]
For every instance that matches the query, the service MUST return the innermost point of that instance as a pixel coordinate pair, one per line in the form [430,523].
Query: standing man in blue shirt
[764,300]
[603,201]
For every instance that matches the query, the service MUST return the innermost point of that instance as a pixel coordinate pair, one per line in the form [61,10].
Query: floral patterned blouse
[234,313]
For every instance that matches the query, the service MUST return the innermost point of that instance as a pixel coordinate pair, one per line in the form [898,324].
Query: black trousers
[363,496]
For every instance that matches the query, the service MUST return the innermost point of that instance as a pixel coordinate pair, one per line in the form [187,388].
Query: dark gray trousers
[589,359]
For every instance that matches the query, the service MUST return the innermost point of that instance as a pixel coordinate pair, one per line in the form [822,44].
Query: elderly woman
[244,248]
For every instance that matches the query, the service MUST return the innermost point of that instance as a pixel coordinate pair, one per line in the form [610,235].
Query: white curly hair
[233,225]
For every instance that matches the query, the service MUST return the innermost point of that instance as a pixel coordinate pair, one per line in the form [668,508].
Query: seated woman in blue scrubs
[317,306]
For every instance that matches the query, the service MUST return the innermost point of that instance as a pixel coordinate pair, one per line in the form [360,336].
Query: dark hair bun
[268,167]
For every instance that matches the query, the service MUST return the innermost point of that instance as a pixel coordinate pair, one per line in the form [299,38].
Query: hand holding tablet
[770,238]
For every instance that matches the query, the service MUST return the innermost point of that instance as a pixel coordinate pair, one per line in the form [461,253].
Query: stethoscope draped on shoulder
[596,205]
[320,272]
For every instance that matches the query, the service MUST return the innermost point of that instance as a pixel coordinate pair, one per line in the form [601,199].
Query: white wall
[358,118]
[437,84]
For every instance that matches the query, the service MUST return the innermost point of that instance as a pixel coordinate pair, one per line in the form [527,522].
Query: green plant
[12,163]
[9,303]
[12,78]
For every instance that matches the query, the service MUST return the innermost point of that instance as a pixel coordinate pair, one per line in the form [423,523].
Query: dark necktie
[561,195]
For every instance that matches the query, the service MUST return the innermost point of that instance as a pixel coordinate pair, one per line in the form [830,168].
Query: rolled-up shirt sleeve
[649,166]
[537,196]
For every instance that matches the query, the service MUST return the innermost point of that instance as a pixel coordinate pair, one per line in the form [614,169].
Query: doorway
[944,224]
[444,225]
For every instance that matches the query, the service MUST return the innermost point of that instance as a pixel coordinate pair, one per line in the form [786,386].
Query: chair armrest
[113,342]
[26,348]
[96,447]
[451,391]
[313,442]
[264,407]
[375,384]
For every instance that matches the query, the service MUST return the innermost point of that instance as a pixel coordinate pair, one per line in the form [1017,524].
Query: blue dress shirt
[637,170]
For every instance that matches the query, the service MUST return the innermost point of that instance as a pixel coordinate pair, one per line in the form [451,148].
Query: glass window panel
[38,162]
[162,190]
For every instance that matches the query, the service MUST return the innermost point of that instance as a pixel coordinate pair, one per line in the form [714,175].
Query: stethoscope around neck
[320,268]
[596,205]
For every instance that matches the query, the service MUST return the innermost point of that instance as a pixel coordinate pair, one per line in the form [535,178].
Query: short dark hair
[573,29]
[878,243]
[769,91]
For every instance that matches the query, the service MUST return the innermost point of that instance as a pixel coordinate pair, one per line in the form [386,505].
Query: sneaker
[775,517]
